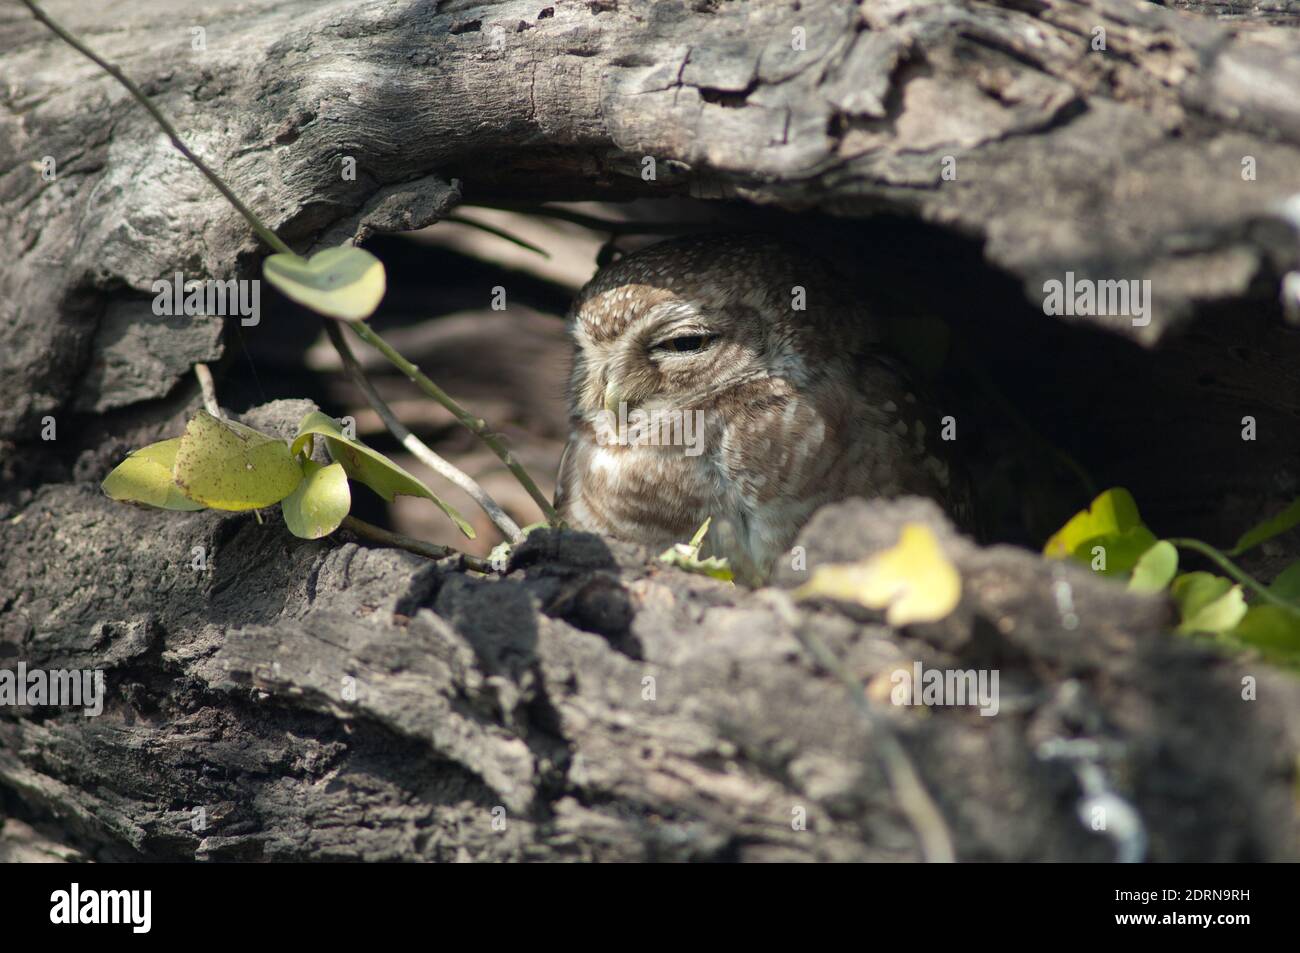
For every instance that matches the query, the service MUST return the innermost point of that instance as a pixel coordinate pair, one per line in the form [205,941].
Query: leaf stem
[209,390]
[508,527]
[499,233]
[474,425]
[265,233]
[1226,564]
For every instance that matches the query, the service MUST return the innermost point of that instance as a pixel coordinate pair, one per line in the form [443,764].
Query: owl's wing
[787,451]
[932,464]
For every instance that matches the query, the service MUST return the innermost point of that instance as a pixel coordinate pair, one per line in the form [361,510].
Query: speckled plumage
[797,407]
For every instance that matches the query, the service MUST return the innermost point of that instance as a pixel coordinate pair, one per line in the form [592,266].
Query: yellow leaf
[228,466]
[146,477]
[913,581]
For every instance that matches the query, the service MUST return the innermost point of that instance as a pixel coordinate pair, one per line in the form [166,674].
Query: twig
[913,799]
[209,389]
[508,527]
[593,222]
[475,425]
[386,537]
[499,233]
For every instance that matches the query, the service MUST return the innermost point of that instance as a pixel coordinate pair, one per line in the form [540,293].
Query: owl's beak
[612,397]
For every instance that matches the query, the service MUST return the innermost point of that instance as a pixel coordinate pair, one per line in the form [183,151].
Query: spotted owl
[732,377]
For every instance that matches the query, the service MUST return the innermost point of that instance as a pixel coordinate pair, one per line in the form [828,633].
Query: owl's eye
[685,342]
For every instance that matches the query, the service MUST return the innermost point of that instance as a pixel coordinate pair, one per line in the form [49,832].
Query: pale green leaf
[1111,522]
[686,556]
[1207,603]
[346,283]
[1155,568]
[318,505]
[1273,630]
[1121,550]
[681,557]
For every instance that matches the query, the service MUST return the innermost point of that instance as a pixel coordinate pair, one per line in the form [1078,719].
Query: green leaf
[1112,514]
[1207,603]
[146,477]
[346,283]
[1274,526]
[1193,591]
[318,505]
[1287,584]
[1122,550]
[1273,630]
[697,541]
[1155,568]
[369,466]
[228,466]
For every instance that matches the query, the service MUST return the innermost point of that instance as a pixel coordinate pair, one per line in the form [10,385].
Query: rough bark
[322,700]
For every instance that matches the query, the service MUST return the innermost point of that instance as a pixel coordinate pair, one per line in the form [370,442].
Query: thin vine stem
[508,527]
[1227,565]
[474,425]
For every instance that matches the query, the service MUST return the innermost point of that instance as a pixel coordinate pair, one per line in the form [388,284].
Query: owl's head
[683,322]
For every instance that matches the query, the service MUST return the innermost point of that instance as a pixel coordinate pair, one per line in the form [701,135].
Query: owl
[732,377]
